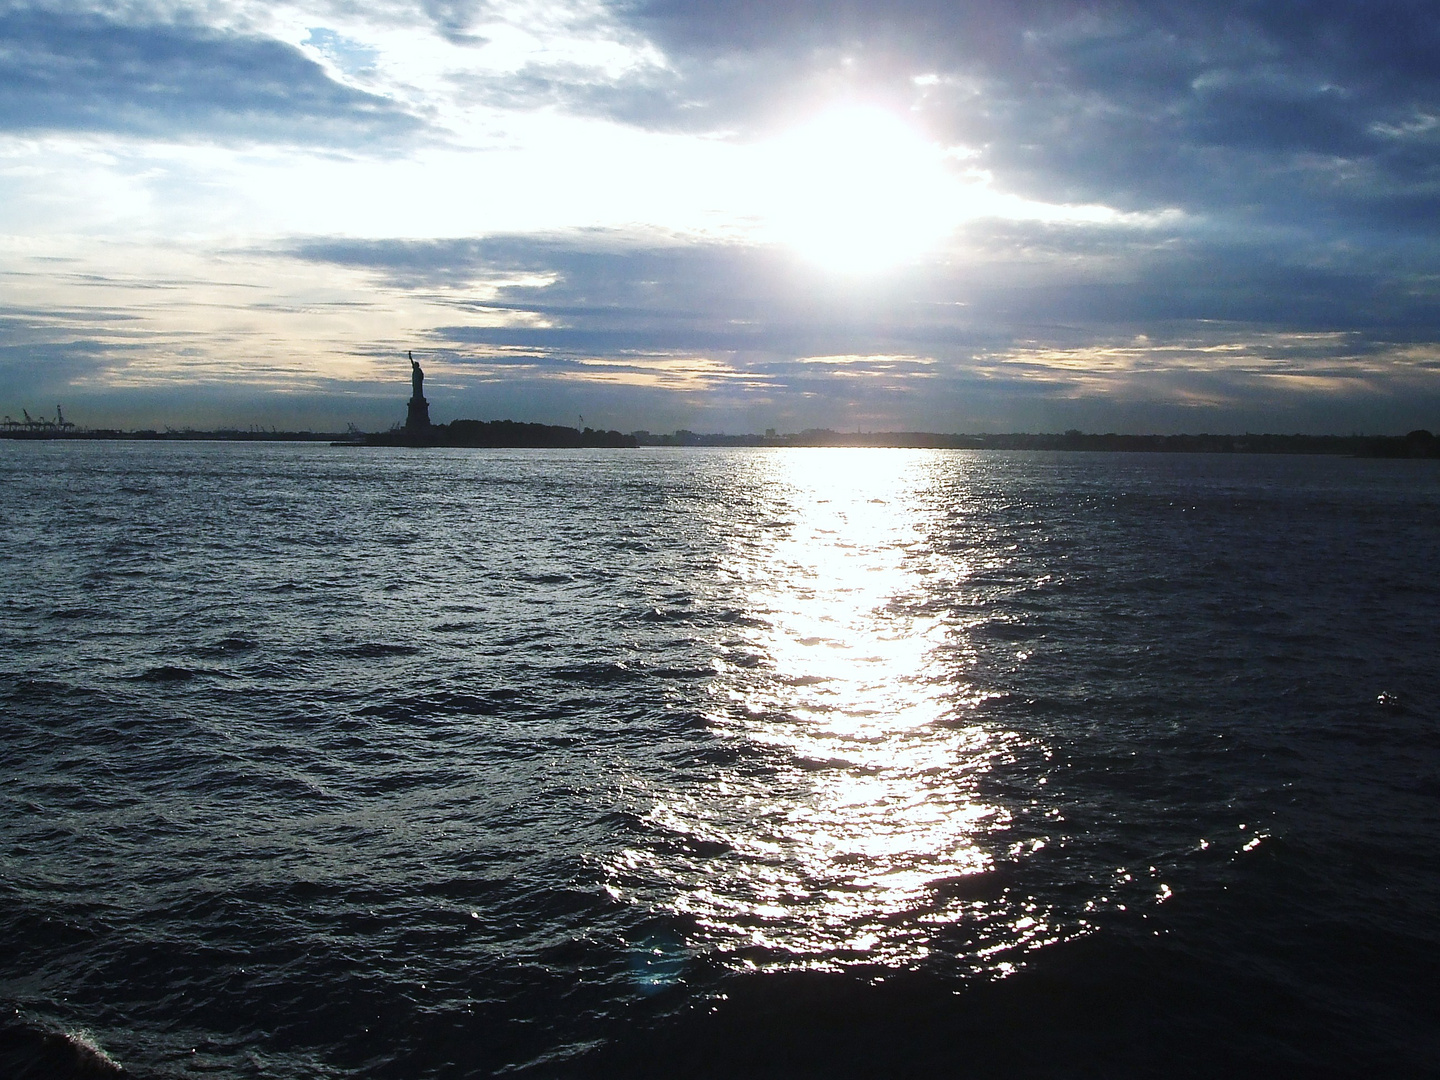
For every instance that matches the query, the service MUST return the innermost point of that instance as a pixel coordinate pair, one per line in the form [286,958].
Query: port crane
[38,424]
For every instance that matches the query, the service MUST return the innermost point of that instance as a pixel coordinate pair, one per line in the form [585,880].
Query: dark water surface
[326,762]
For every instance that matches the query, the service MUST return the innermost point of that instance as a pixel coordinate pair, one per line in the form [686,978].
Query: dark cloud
[86,72]
[611,299]
[34,375]
[454,18]
[1011,277]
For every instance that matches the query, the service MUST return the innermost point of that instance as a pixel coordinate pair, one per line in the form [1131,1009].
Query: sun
[858,190]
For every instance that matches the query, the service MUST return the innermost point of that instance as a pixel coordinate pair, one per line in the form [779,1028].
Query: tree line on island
[496,433]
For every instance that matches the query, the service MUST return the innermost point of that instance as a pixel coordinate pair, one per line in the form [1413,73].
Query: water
[322,762]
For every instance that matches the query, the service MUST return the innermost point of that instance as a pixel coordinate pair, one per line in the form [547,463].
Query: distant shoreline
[501,434]
[185,435]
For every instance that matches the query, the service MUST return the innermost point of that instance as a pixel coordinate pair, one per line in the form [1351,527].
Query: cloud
[67,71]
[1001,275]
[1277,111]
[1161,213]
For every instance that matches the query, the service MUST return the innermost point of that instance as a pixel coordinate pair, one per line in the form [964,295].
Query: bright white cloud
[853,189]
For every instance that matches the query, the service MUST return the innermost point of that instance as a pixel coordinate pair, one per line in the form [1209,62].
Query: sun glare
[859,190]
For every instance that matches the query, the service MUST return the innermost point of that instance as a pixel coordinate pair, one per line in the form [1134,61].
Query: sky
[723,215]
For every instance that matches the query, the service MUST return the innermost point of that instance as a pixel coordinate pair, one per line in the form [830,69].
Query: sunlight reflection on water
[845,680]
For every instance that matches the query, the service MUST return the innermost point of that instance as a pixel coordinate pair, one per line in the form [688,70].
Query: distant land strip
[513,434]
[1420,443]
